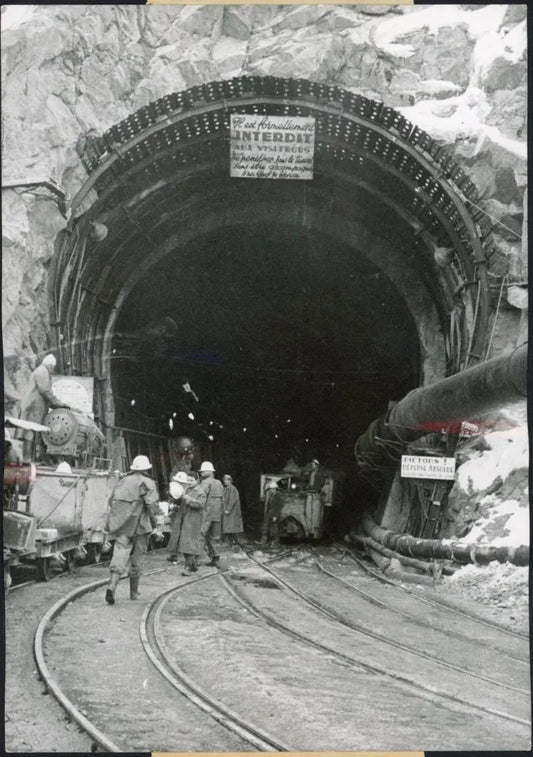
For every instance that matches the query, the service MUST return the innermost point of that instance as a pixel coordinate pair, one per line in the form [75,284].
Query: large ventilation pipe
[443,405]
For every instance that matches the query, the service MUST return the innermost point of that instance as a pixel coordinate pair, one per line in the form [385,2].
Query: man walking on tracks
[186,521]
[211,525]
[134,506]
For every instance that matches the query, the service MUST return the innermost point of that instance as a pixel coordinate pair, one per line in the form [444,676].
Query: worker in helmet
[39,398]
[273,505]
[211,524]
[232,520]
[188,503]
[132,518]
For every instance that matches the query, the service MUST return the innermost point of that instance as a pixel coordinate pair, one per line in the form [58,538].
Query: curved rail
[360,663]
[99,738]
[435,602]
[379,637]
[150,625]
[409,616]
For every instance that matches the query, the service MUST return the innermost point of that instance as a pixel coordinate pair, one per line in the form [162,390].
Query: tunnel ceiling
[159,181]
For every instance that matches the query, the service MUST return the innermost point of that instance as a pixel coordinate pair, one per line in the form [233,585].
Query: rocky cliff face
[69,72]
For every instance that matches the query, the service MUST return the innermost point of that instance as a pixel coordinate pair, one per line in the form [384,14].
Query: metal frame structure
[153,174]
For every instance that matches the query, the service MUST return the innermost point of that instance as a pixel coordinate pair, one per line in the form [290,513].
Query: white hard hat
[271,485]
[181,477]
[141,462]
[207,468]
[176,490]
[63,467]
[49,360]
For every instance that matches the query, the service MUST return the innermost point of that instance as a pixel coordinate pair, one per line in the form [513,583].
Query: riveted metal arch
[179,132]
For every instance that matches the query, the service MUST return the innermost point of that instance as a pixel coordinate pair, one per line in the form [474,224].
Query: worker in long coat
[211,524]
[232,518]
[272,513]
[39,398]
[132,518]
[185,537]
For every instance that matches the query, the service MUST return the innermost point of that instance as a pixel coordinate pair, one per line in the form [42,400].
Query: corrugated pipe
[408,545]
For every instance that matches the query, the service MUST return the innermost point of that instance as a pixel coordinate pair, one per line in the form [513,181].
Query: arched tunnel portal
[294,309]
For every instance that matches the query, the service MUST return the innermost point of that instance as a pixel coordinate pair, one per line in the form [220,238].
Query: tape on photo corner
[285,2]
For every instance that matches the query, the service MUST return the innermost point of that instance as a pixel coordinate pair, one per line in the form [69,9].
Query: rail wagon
[303,507]
[56,508]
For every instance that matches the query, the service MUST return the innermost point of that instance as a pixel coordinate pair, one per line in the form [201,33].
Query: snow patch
[479,23]
[508,451]
[16,15]
[506,526]
[461,117]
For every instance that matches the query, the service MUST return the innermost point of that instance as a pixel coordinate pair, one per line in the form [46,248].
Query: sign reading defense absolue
[271,147]
[415,466]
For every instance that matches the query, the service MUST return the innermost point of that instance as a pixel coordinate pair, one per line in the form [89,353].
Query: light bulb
[191,416]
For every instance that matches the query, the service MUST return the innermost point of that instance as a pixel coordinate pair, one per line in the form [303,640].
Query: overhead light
[275,436]
[244,429]
[307,440]
[191,416]
[170,424]
[211,438]
[220,425]
[288,420]
[132,403]
[210,423]
[174,415]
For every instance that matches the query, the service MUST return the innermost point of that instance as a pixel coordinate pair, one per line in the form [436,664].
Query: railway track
[161,657]
[433,601]
[180,688]
[244,734]
[521,694]
[499,642]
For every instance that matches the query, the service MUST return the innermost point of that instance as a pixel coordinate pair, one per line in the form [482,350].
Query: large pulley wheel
[44,568]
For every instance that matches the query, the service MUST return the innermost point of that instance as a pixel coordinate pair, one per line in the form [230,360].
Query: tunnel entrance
[296,310]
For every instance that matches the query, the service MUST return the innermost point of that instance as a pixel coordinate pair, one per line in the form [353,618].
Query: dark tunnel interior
[292,342]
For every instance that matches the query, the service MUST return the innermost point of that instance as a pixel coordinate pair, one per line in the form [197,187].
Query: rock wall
[70,72]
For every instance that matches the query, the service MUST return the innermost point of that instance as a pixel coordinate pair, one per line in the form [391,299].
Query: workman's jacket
[214,490]
[272,513]
[187,521]
[38,399]
[232,521]
[133,506]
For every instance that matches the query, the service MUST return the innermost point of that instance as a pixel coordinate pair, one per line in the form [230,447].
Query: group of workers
[201,511]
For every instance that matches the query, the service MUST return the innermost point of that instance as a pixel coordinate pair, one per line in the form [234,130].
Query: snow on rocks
[490,504]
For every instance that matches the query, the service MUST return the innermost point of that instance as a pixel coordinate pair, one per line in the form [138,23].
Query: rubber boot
[110,591]
[134,587]
[215,561]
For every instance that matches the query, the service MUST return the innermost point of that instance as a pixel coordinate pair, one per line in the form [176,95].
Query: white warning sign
[271,147]
[415,466]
